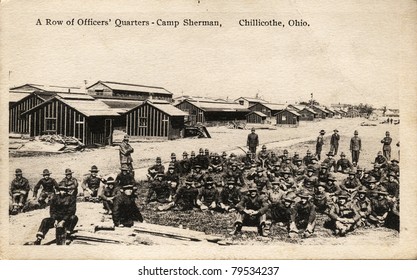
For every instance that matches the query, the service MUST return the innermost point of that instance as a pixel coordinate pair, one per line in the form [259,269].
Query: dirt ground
[23,227]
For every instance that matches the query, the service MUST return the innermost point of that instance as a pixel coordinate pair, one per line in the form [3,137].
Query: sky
[351,52]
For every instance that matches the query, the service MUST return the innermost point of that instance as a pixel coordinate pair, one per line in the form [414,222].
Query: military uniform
[125,153]
[334,142]
[186,198]
[308,159]
[70,183]
[309,182]
[229,198]
[216,165]
[319,144]
[355,147]
[49,186]
[330,162]
[236,175]
[91,185]
[381,160]
[386,147]
[363,205]
[123,179]
[343,165]
[19,190]
[252,142]
[185,167]
[125,210]
[351,185]
[208,197]
[156,169]
[160,189]
[303,216]
[108,193]
[381,207]
[344,216]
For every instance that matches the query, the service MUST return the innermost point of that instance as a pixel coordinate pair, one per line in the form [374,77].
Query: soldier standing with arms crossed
[386,148]
[125,153]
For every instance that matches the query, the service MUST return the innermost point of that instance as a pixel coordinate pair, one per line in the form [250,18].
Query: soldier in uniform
[330,162]
[322,199]
[252,212]
[295,158]
[70,182]
[284,156]
[363,205]
[355,147]
[392,186]
[252,141]
[202,159]
[260,179]
[172,180]
[193,160]
[394,167]
[381,207]
[125,210]
[91,184]
[334,142]
[381,160]
[158,190]
[307,160]
[287,164]
[229,197]
[323,173]
[125,153]
[186,198]
[175,163]
[376,172]
[304,215]
[299,170]
[273,159]
[198,176]
[62,216]
[343,164]
[248,161]
[315,166]
[343,214]
[263,157]
[386,147]
[49,187]
[309,182]
[332,187]
[286,182]
[108,194]
[235,174]
[216,165]
[19,190]
[208,197]
[282,210]
[185,164]
[158,168]
[124,177]
[351,184]
[319,144]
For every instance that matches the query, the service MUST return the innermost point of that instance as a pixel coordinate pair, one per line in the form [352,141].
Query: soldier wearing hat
[208,197]
[252,211]
[70,182]
[248,160]
[304,215]
[252,141]
[284,155]
[323,173]
[394,167]
[287,164]
[272,160]
[263,157]
[198,176]
[125,154]
[332,187]
[108,194]
[343,214]
[315,166]
[49,187]
[276,192]
[216,164]
[202,159]
[61,216]
[91,184]
[295,158]
[392,186]
[175,163]
[172,179]
[322,199]
[235,174]
[282,210]
[157,168]
[193,160]
[334,142]
[125,210]
[343,164]
[381,160]
[319,144]
[307,160]
[19,190]
[186,198]
[376,172]
[386,147]
[260,179]
[158,190]
[330,162]
[355,146]
[286,181]
[309,181]
[185,164]
[299,170]
[363,205]
[351,184]
[124,177]
[229,197]
[381,207]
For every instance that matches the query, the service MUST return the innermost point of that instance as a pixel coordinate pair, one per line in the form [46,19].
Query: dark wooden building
[121,105]
[288,117]
[76,115]
[156,119]
[269,109]
[321,112]
[19,124]
[249,101]
[307,114]
[255,117]
[140,92]
[212,112]
[296,108]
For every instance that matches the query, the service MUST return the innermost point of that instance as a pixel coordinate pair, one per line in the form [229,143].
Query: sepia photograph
[208,130]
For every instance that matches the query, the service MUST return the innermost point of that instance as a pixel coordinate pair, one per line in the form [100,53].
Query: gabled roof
[17,96]
[162,106]
[48,88]
[87,107]
[320,109]
[330,110]
[132,87]
[271,106]
[43,95]
[252,99]
[121,105]
[258,113]
[215,106]
[297,107]
[309,110]
[290,111]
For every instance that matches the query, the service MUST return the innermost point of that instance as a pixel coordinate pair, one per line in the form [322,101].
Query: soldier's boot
[237,229]
[60,235]
[293,231]
[262,230]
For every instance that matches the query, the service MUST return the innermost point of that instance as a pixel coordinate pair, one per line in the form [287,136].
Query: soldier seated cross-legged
[19,190]
[49,187]
[91,185]
[125,210]
[303,217]
[208,197]
[229,197]
[108,194]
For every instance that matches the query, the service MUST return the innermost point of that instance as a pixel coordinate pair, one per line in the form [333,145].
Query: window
[99,91]
[50,124]
[241,102]
[284,118]
[143,122]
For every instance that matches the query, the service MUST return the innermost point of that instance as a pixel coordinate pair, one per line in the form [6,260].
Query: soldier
[235,174]
[386,147]
[365,180]
[322,199]
[158,190]
[125,153]
[307,160]
[334,142]
[172,180]
[351,184]
[381,207]
[263,157]
[343,164]
[273,159]
[315,166]
[202,159]
[284,155]
[332,188]
[381,160]
[359,172]
[185,164]
[252,212]
[62,216]
[376,172]
[49,187]
[275,193]
[330,162]
[309,182]
[124,177]
[282,211]
[175,163]
[198,176]
[229,197]
[295,158]
[286,182]
[323,173]
[193,160]
[216,165]
[252,141]
[208,197]
[304,215]
[186,198]
[355,147]
[158,168]
[260,179]
[372,187]
[91,184]
[70,182]
[287,164]
[125,210]
[247,161]
[392,186]
[343,214]
[319,144]
[299,170]
[19,190]
[394,167]
[108,194]
[363,205]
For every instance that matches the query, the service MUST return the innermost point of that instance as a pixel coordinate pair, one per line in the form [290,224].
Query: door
[108,131]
